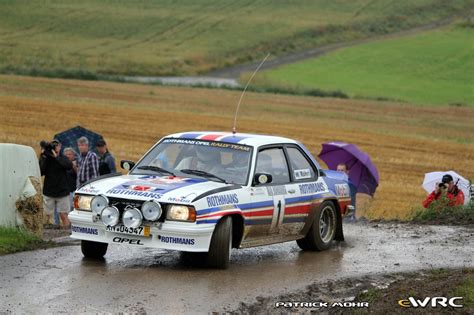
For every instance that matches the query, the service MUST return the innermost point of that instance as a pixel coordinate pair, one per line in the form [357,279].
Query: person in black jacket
[106,159]
[72,173]
[54,168]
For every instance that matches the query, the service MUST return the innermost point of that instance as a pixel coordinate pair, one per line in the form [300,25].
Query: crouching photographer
[446,189]
[54,168]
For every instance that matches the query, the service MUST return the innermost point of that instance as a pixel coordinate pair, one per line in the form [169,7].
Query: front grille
[121,204]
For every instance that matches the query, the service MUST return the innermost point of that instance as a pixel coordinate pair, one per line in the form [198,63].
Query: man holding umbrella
[448,189]
[349,159]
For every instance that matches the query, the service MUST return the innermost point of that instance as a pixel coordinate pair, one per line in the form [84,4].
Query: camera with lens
[442,185]
[48,147]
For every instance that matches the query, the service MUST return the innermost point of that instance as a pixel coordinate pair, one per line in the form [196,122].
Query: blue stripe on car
[191,135]
[244,206]
[233,139]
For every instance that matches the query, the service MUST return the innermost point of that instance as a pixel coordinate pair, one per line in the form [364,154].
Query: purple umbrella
[362,172]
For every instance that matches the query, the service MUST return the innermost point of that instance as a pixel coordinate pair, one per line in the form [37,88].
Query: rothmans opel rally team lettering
[210,192]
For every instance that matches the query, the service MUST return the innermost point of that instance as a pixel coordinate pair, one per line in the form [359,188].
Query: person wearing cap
[446,188]
[54,168]
[106,160]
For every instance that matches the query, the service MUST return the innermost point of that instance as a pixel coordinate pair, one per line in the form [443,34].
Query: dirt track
[235,71]
[144,280]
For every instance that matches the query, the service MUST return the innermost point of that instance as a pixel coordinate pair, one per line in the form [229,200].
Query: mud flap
[339,232]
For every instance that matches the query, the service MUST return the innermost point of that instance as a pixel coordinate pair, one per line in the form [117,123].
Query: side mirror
[127,165]
[262,178]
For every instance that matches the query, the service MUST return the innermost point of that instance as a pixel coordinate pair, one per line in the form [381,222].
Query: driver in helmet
[207,159]
[204,159]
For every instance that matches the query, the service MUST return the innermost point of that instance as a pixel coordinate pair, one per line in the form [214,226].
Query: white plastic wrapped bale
[472,193]
[19,180]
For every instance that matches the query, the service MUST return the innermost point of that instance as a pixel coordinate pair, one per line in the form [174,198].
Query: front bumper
[180,236]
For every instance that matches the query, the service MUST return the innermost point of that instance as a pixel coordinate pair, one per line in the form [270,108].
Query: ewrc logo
[176,240]
[215,201]
[431,301]
[135,193]
[85,230]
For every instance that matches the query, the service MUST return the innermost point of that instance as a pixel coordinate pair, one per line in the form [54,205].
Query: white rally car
[210,192]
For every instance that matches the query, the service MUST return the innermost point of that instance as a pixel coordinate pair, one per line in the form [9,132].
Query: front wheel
[323,229]
[221,245]
[94,250]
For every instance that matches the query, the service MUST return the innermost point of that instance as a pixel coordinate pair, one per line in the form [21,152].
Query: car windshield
[211,160]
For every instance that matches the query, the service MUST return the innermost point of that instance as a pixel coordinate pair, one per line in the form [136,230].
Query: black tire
[322,231]
[94,250]
[221,243]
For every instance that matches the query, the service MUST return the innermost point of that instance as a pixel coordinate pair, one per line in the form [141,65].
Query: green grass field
[90,37]
[435,67]
[14,240]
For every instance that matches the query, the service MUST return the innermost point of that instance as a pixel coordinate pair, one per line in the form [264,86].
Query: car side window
[272,161]
[300,166]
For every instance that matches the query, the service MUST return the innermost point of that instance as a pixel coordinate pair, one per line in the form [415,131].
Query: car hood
[146,187]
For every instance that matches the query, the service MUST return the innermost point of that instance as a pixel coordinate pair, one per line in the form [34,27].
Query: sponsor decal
[179,199]
[215,201]
[312,188]
[432,302]
[276,190]
[131,241]
[302,174]
[176,240]
[134,193]
[152,186]
[209,144]
[342,190]
[85,230]
[89,189]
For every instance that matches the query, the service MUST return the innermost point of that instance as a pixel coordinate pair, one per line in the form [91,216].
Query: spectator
[106,160]
[88,167]
[72,173]
[55,189]
[447,188]
[342,167]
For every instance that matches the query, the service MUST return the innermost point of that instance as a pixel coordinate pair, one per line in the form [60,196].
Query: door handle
[291,191]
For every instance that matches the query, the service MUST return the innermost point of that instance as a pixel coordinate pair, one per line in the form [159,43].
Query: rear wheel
[221,245]
[94,250]
[323,229]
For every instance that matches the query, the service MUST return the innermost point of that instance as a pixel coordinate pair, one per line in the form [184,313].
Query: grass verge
[439,213]
[14,240]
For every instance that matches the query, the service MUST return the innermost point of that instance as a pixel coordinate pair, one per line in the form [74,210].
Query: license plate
[141,230]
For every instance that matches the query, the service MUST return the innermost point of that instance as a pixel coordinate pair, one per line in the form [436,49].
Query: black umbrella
[68,138]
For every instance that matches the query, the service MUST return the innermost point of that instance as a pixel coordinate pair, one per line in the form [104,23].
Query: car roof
[240,138]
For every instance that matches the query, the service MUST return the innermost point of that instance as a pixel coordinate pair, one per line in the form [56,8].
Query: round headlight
[181,213]
[151,210]
[110,216]
[132,218]
[98,203]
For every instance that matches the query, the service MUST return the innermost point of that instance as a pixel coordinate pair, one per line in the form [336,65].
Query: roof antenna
[234,127]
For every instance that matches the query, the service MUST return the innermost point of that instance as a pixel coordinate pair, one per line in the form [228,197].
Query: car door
[300,193]
[272,161]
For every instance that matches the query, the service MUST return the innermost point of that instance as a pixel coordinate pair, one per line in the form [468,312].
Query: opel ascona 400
[210,192]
